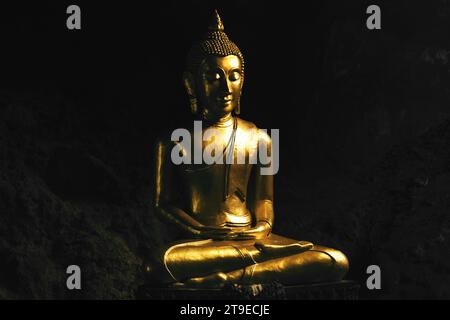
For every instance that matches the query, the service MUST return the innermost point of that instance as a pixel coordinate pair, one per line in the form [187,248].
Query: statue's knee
[339,259]
[154,268]
[342,264]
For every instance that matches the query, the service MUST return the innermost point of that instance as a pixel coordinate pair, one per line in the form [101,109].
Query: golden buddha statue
[222,213]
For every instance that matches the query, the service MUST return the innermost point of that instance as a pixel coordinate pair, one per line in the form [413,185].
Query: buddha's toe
[275,250]
[216,280]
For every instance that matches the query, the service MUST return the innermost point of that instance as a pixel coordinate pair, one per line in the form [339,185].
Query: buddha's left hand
[259,231]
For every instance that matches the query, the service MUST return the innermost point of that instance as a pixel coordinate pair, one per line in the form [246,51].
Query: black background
[362,117]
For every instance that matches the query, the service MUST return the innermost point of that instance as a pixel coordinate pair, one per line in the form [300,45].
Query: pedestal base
[342,290]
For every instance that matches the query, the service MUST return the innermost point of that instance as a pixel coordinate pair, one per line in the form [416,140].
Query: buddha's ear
[189,85]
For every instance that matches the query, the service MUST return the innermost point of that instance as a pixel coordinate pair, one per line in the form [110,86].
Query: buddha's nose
[226,87]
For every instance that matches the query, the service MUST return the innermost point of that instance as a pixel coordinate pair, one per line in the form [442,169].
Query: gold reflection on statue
[222,214]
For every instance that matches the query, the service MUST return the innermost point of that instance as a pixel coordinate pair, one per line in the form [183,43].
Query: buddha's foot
[276,250]
[217,280]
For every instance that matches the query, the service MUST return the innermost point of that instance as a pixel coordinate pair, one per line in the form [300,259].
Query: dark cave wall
[372,176]
[65,201]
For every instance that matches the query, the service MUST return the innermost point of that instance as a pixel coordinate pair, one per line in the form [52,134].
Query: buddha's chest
[215,184]
[219,146]
[217,194]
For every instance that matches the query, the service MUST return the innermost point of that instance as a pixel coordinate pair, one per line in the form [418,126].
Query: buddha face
[219,83]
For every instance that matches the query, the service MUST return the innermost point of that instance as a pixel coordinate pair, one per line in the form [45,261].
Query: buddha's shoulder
[251,127]
[171,137]
[164,140]
[246,125]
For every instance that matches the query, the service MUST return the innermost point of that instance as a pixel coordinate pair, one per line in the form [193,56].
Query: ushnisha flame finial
[216,22]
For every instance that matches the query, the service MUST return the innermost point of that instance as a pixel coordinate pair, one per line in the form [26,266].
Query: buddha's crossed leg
[215,263]
[319,264]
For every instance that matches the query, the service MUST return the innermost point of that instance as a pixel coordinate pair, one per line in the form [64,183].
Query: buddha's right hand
[288,248]
[193,226]
[212,232]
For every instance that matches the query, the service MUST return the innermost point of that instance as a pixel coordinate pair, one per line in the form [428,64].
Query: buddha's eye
[235,75]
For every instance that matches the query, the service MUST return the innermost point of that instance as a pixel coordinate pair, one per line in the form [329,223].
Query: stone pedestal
[342,290]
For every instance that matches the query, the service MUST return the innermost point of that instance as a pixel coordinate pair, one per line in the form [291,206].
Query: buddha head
[215,74]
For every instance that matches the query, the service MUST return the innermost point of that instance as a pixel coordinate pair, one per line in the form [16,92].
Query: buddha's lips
[225,100]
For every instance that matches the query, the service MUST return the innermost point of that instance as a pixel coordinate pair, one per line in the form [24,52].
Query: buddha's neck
[224,121]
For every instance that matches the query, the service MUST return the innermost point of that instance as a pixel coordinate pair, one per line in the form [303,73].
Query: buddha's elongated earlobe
[188,81]
[193,104]
[205,114]
[237,110]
